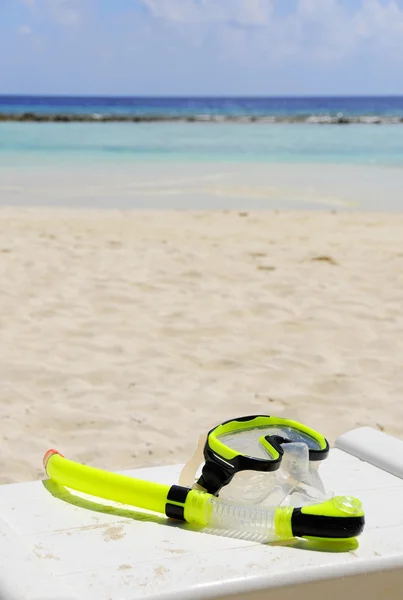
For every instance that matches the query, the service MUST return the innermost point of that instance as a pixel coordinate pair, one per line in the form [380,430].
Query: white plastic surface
[73,548]
[375,447]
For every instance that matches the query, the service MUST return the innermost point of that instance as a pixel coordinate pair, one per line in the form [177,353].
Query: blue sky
[201,47]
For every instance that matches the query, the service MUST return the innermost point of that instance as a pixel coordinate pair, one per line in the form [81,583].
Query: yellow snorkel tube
[340,518]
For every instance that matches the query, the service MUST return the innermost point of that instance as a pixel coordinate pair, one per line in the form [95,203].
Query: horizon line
[197,97]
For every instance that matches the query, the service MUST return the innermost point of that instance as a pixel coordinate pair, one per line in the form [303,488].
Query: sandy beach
[126,334]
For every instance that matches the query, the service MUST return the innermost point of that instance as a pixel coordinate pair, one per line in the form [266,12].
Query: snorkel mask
[221,500]
[260,460]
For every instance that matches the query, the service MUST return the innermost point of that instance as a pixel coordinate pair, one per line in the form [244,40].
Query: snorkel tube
[340,518]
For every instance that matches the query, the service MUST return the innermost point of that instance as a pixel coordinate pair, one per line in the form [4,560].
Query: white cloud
[173,10]
[246,12]
[66,12]
[323,30]
[382,22]
[318,30]
[317,7]
[24,30]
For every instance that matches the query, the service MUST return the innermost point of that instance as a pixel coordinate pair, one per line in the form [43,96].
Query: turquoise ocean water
[31,144]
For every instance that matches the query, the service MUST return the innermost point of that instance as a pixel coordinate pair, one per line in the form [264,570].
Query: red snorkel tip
[48,454]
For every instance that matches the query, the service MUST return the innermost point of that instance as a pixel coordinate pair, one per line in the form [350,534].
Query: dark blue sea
[382,105]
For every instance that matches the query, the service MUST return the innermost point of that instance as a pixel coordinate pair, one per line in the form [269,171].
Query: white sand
[124,335]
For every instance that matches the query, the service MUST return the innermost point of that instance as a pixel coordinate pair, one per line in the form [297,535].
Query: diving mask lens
[263,460]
